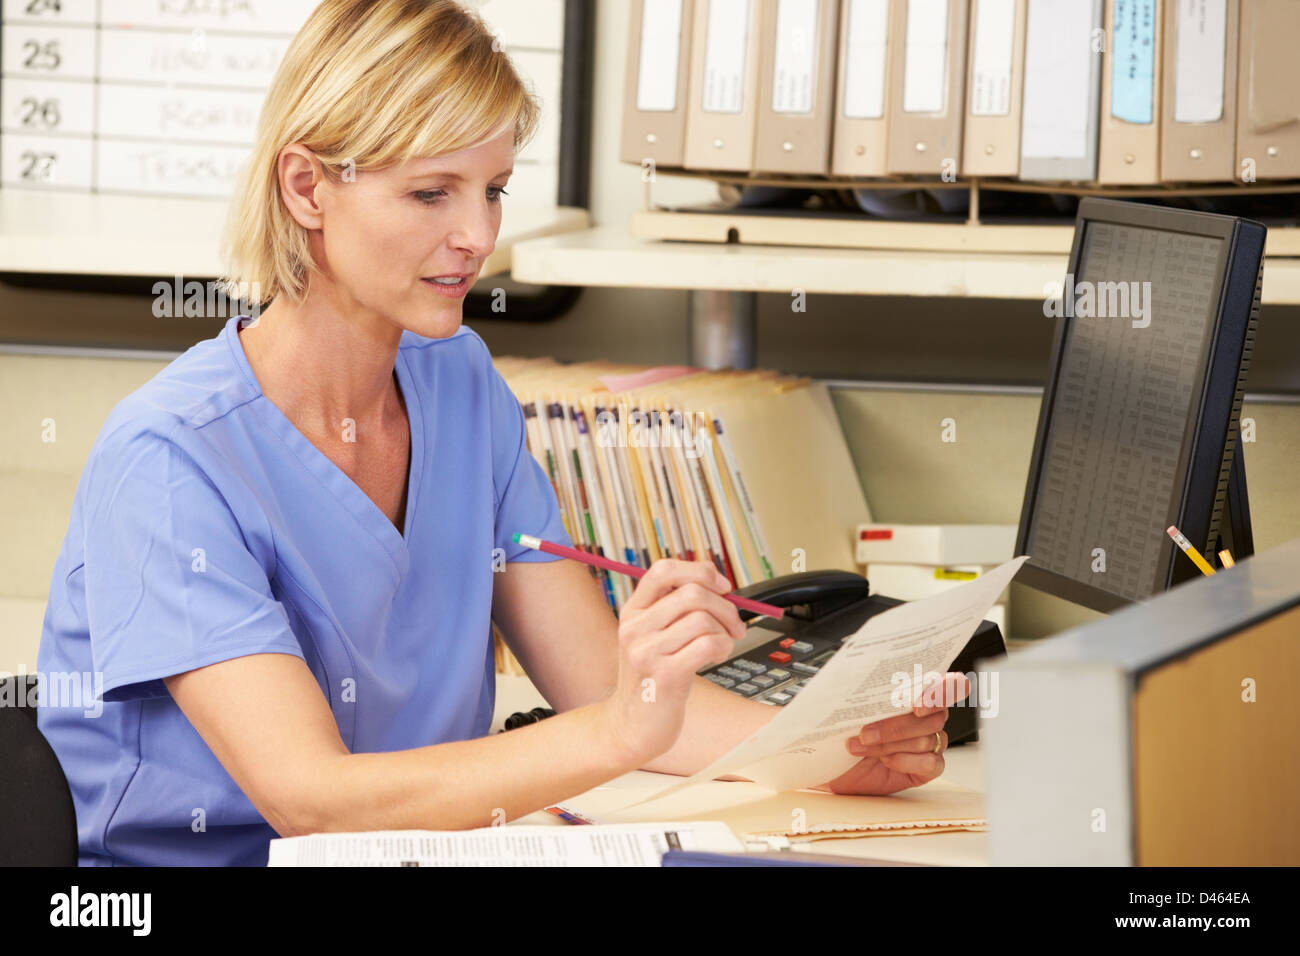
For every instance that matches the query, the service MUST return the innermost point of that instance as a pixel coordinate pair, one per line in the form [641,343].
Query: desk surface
[965,766]
[961,848]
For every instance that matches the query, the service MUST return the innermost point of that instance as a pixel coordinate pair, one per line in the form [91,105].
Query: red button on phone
[781,657]
[787,643]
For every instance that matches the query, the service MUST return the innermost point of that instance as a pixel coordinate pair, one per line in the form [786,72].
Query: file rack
[717,223]
[723,261]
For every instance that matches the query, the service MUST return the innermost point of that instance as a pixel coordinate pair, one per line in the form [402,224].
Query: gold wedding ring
[938,741]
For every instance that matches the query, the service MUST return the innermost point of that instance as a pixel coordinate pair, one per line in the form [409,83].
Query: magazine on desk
[635,844]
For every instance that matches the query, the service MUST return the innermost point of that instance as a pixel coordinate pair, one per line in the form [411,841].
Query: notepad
[800,816]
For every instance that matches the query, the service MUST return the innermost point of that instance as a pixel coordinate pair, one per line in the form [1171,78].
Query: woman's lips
[451,291]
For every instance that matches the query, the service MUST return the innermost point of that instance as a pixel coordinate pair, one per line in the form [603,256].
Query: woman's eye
[430,196]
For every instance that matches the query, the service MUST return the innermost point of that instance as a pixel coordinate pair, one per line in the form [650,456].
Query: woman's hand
[899,752]
[675,622]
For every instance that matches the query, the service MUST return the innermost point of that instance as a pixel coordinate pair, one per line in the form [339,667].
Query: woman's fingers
[927,766]
[946,692]
[684,600]
[913,745]
[901,727]
[668,573]
[678,635]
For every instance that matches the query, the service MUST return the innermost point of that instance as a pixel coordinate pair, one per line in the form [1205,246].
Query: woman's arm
[266,720]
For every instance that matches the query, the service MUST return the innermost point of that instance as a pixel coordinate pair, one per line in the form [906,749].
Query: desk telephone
[822,608]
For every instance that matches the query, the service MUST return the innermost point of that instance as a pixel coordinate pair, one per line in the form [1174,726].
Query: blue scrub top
[207,527]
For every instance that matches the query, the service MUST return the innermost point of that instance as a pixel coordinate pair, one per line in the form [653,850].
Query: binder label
[1133,61]
[925,57]
[725,45]
[795,60]
[995,28]
[864,71]
[661,39]
[1201,61]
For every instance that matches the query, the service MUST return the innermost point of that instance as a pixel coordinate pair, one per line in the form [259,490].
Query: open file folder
[747,470]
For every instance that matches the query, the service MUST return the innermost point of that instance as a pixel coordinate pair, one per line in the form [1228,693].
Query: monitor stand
[1235,532]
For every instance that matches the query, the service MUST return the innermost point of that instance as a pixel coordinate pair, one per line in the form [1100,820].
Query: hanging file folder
[654,89]
[994,86]
[796,88]
[1268,107]
[723,106]
[860,130]
[929,76]
[1198,116]
[1129,150]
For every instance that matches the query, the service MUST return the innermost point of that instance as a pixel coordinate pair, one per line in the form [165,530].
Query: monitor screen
[1141,309]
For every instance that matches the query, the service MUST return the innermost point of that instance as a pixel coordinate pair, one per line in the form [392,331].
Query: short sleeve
[171,584]
[526,502]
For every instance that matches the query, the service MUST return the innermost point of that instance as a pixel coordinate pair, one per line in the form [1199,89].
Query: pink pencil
[550,547]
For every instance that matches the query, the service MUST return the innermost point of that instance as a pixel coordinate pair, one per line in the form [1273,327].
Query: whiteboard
[161,97]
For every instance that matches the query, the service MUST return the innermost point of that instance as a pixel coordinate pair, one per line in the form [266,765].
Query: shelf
[722,220]
[609,256]
[867,232]
[104,234]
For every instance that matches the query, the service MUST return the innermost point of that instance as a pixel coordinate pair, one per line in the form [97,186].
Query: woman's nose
[476,230]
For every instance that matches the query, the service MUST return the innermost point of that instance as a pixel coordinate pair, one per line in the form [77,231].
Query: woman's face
[385,235]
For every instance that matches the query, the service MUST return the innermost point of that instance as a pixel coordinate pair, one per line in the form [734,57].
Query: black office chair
[38,823]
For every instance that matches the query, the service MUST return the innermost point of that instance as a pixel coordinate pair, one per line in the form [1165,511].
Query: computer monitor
[1138,428]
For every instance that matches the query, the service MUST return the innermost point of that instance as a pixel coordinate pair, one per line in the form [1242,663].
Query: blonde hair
[365,85]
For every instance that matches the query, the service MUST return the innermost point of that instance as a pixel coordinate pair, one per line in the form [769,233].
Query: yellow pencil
[1225,558]
[1182,542]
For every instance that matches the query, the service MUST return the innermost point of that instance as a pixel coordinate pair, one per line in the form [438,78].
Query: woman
[280,552]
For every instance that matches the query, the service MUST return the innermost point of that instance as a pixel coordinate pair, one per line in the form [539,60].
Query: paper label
[725,45]
[1201,60]
[995,29]
[661,37]
[1133,62]
[864,71]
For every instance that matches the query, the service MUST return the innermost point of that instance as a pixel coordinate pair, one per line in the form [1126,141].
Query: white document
[629,844]
[1198,76]
[925,56]
[1059,51]
[877,673]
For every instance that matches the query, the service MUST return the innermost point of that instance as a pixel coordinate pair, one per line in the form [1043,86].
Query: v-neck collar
[368,514]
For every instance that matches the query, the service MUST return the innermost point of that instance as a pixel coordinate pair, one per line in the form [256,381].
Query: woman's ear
[301,173]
